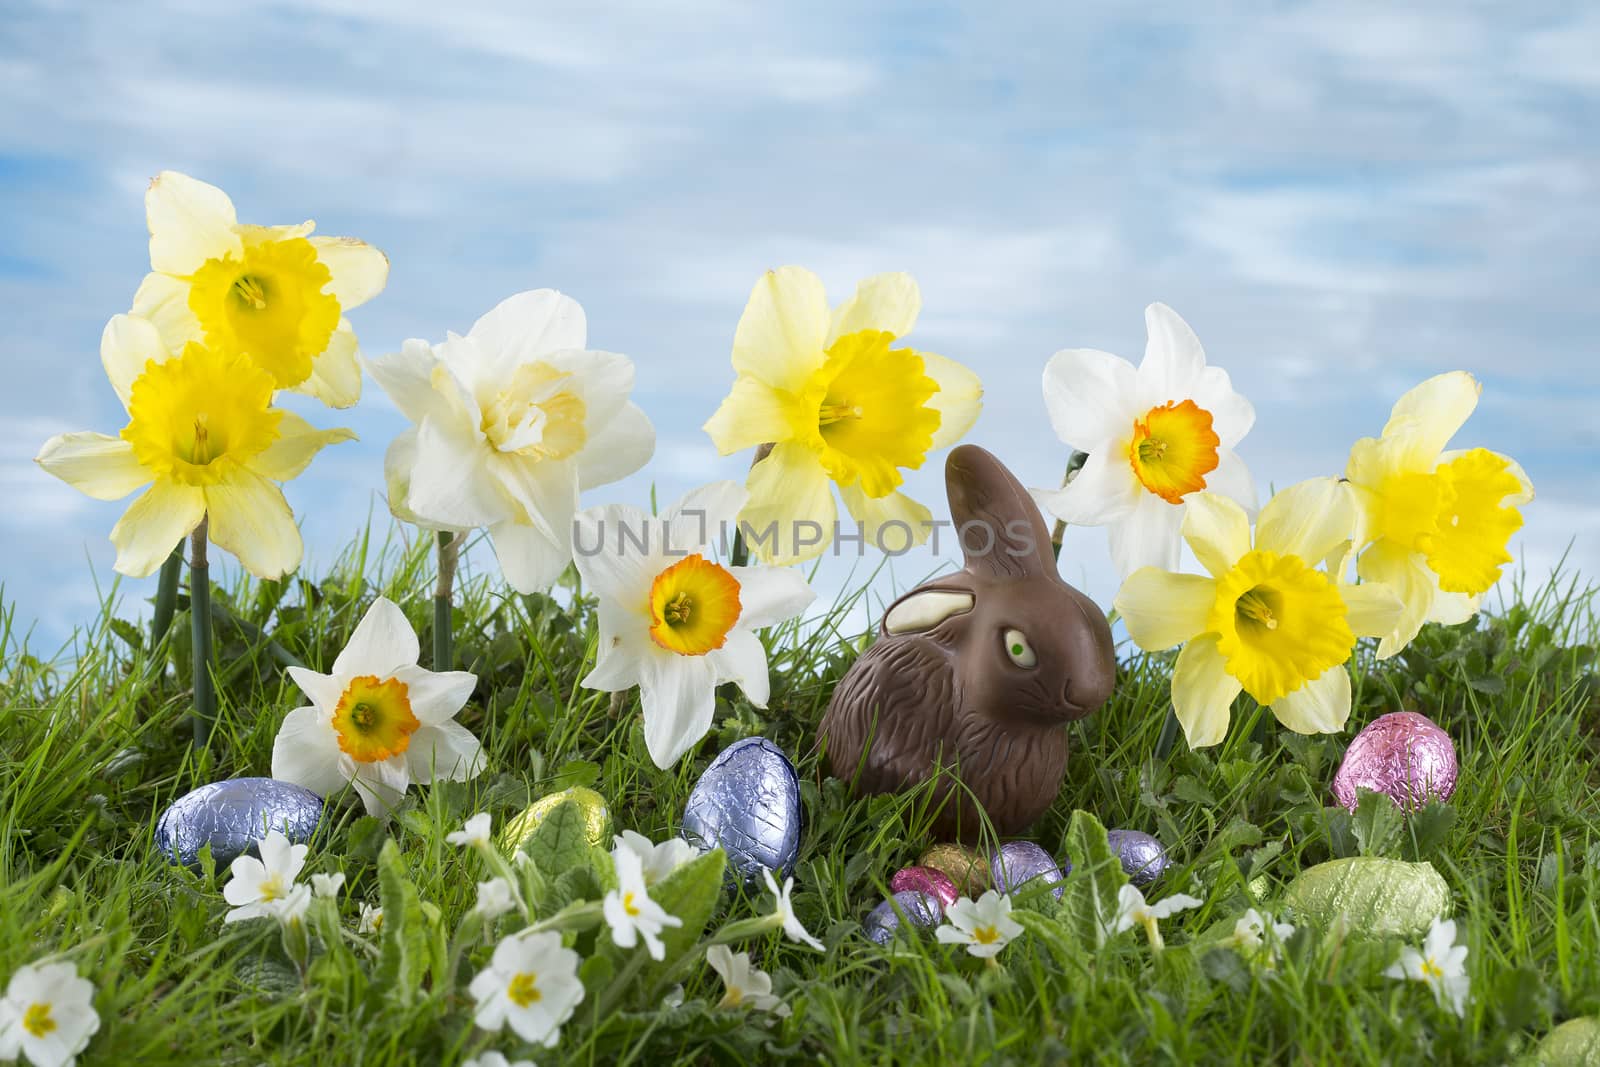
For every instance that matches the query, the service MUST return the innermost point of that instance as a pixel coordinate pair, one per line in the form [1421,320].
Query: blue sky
[1341,200]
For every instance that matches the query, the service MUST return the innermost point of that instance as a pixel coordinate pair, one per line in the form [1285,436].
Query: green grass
[93,747]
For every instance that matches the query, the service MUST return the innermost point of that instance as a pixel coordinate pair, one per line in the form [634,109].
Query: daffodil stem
[166,595]
[449,554]
[205,697]
[1169,735]
[1059,531]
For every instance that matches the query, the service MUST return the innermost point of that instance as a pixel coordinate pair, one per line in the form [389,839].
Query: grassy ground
[92,750]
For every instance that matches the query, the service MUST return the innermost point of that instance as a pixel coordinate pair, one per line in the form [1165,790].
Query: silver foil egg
[921,910]
[1402,755]
[232,815]
[748,804]
[1018,862]
[1143,857]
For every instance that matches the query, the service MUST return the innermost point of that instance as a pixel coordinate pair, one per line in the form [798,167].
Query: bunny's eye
[1019,650]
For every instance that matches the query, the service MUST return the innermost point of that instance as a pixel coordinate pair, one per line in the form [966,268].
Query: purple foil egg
[1143,857]
[921,910]
[1402,755]
[232,815]
[1019,862]
[935,883]
[747,803]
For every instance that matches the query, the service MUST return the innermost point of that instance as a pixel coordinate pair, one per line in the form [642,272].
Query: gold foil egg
[964,866]
[596,817]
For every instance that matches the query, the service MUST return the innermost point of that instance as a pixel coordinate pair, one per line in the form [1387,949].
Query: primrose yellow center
[986,935]
[196,417]
[373,719]
[865,412]
[1172,450]
[267,303]
[734,997]
[271,888]
[37,1020]
[628,905]
[693,605]
[1455,516]
[536,414]
[1431,969]
[524,989]
[1280,624]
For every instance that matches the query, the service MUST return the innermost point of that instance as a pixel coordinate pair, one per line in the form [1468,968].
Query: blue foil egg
[232,815]
[921,910]
[1143,857]
[748,804]
[1019,862]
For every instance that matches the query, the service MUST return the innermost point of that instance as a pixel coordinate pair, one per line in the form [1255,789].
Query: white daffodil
[378,720]
[512,421]
[491,1058]
[1252,939]
[630,912]
[1442,964]
[674,623]
[984,925]
[327,885]
[532,984]
[495,898]
[1133,910]
[1155,435]
[745,985]
[1435,524]
[274,294]
[1269,620]
[47,1015]
[657,861]
[783,911]
[371,920]
[474,834]
[263,886]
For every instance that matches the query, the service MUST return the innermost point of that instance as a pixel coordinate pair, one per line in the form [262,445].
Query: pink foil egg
[935,883]
[1403,755]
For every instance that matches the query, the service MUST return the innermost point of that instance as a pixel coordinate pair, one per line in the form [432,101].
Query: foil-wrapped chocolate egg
[965,867]
[935,883]
[1402,755]
[747,803]
[1143,857]
[232,815]
[1016,863]
[596,818]
[921,911]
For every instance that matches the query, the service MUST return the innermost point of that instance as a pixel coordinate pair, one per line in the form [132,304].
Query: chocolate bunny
[977,672]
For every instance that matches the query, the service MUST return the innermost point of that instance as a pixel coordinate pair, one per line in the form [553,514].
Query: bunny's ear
[1001,531]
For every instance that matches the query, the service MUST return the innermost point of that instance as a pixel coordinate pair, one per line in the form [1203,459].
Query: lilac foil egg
[232,815]
[921,910]
[1402,755]
[747,803]
[1143,857]
[927,880]
[1019,862]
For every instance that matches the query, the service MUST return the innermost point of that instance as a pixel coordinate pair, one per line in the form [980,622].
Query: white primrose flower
[292,908]
[783,908]
[475,833]
[47,1015]
[327,885]
[674,623]
[1442,964]
[744,984]
[984,925]
[378,720]
[1250,935]
[495,898]
[656,860]
[531,984]
[1133,910]
[512,422]
[1154,434]
[262,887]
[630,912]
[371,921]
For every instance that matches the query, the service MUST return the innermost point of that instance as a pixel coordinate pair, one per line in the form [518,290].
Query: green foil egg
[1378,897]
[596,818]
[1575,1043]
[964,866]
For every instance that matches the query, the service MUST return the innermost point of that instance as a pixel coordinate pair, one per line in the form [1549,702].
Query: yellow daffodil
[841,399]
[203,435]
[1435,524]
[1267,621]
[275,294]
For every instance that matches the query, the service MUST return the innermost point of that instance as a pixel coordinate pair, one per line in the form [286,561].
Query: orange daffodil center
[373,719]
[1173,448]
[693,605]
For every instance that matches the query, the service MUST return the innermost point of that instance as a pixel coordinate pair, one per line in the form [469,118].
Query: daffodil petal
[1104,490]
[190,222]
[1408,577]
[742,660]
[1232,479]
[1452,609]
[359,270]
[701,517]
[1161,609]
[336,374]
[1173,357]
[791,499]
[250,518]
[621,447]
[1232,415]
[1372,608]
[752,414]
[127,345]
[323,690]
[525,327]
[888,302]
[407,377]
[958,401]
[770,595]
[297,444]
[1217,530]
[529,560]
[306,752]
[1148,536]
[94,464]
[451,484]
[1307,519]
[545,490]
[892,524]
[678,694]
[1321,706]
[1433,412]
[145,535]
[602,379]
[443,752]
[605,549]
[1203,692]
[382,643]
[1092,398]
[783,331]
[381,786]
[436,696]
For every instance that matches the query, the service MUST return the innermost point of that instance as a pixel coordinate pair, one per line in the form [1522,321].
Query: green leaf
[1377,823]
[406,951]
[560,843]
[1089,897]
[576,772]
[1430,828]
[689,893]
